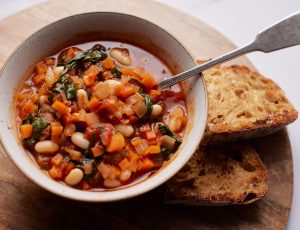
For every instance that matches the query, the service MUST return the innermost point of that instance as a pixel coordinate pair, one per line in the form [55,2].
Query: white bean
[79,140]
[113,85]
[121,55]
[74,177]
[125,175]
[46,147]
[102,90]
[176,117]
[82,99]
[156,110]
[126,130]
[111,183]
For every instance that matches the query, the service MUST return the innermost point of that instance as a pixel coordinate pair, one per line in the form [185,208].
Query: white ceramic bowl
[89,27]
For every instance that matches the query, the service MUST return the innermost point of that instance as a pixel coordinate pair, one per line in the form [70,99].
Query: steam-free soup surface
[93,117]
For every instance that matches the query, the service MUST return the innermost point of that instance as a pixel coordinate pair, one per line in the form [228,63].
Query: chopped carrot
[89,76]
[97,150]
[42,90]
[56,130]
[140,71]
[34,98]
[55,172]
[21,97]
[125,92]
[148,81]
[145,164]
[150,135]
[26,130]
[68,166]
[136,142]
[57,159]
[108,63]
[152,149]
[134,165]
[85,185]
[124,164]
[38,79]
[127,71]
[93,104]
[29,107]
[61,107]
[116,143]
[41,68]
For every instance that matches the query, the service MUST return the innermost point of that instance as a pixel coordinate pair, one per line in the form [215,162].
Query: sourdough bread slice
[243,104]
[219,175]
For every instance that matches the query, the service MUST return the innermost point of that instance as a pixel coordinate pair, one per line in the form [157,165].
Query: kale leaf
[116,72]
[88,151]
[148,104]
[38,125]
[137,83]
[165,153]
[93,55]
[64,84]
[165,130]
[28,119]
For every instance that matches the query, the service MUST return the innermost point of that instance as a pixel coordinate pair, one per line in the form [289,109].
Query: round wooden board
[24,205]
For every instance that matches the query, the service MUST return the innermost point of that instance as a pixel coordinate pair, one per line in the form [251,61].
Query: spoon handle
[280,35]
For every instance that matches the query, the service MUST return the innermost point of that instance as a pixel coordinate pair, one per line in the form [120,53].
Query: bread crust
[220,175]
[266,109]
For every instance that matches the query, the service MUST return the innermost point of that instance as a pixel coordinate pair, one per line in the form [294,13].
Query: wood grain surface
[24,205]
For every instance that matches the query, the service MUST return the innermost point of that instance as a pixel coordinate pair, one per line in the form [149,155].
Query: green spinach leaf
[116,72]
[165,130]
[38,125]
[148,104]
[93,55]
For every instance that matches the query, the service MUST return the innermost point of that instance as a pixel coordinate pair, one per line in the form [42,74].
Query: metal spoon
[280,35]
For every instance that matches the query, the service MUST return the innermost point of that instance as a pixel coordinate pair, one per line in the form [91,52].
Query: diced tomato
[57,159]
[85,185]
[106,133]
[29,107]
[56,172]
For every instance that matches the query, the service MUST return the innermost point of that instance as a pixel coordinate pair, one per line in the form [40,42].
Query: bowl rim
[78,197]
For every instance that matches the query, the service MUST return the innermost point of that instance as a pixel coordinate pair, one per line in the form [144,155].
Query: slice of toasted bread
[220,175]
[243,104]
